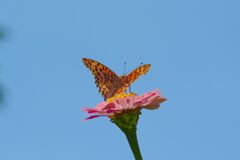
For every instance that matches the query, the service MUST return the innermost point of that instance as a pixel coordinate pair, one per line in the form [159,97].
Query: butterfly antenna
[124,67]
[135,67]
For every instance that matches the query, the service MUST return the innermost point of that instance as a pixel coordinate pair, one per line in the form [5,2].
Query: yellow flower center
[120,95]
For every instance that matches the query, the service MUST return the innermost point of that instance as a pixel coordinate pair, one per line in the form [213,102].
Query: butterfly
[108,82]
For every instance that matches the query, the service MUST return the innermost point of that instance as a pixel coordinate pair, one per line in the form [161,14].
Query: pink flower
[126,103]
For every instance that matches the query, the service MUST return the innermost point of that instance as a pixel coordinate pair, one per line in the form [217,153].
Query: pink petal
[150,100]
[91,117]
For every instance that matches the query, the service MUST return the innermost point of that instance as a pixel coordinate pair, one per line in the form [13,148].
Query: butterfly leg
[130,89]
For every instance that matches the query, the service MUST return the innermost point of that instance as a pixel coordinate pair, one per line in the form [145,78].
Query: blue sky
[193,47]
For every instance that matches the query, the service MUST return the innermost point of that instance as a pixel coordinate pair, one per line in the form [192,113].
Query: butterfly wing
[126,81]
[106,80]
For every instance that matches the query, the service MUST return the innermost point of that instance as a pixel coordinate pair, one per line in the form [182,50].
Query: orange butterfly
[108,82]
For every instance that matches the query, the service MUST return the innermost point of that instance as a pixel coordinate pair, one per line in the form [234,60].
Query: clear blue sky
[194,49]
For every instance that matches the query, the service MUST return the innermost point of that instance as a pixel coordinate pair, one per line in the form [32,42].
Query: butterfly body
[108,82]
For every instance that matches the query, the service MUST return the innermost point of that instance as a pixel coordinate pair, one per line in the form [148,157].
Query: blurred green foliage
[1,95]
[2,37]
[2,34]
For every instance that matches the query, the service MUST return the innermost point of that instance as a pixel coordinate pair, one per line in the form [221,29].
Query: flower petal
[150,100]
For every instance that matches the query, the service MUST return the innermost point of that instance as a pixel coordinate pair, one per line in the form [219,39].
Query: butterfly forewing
[133,76]
[105,79]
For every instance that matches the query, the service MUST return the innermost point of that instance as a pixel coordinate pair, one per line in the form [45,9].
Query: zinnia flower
[124,111]
[124,103]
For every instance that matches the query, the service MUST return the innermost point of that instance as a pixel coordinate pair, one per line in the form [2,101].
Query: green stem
[133,142]
[127,122]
